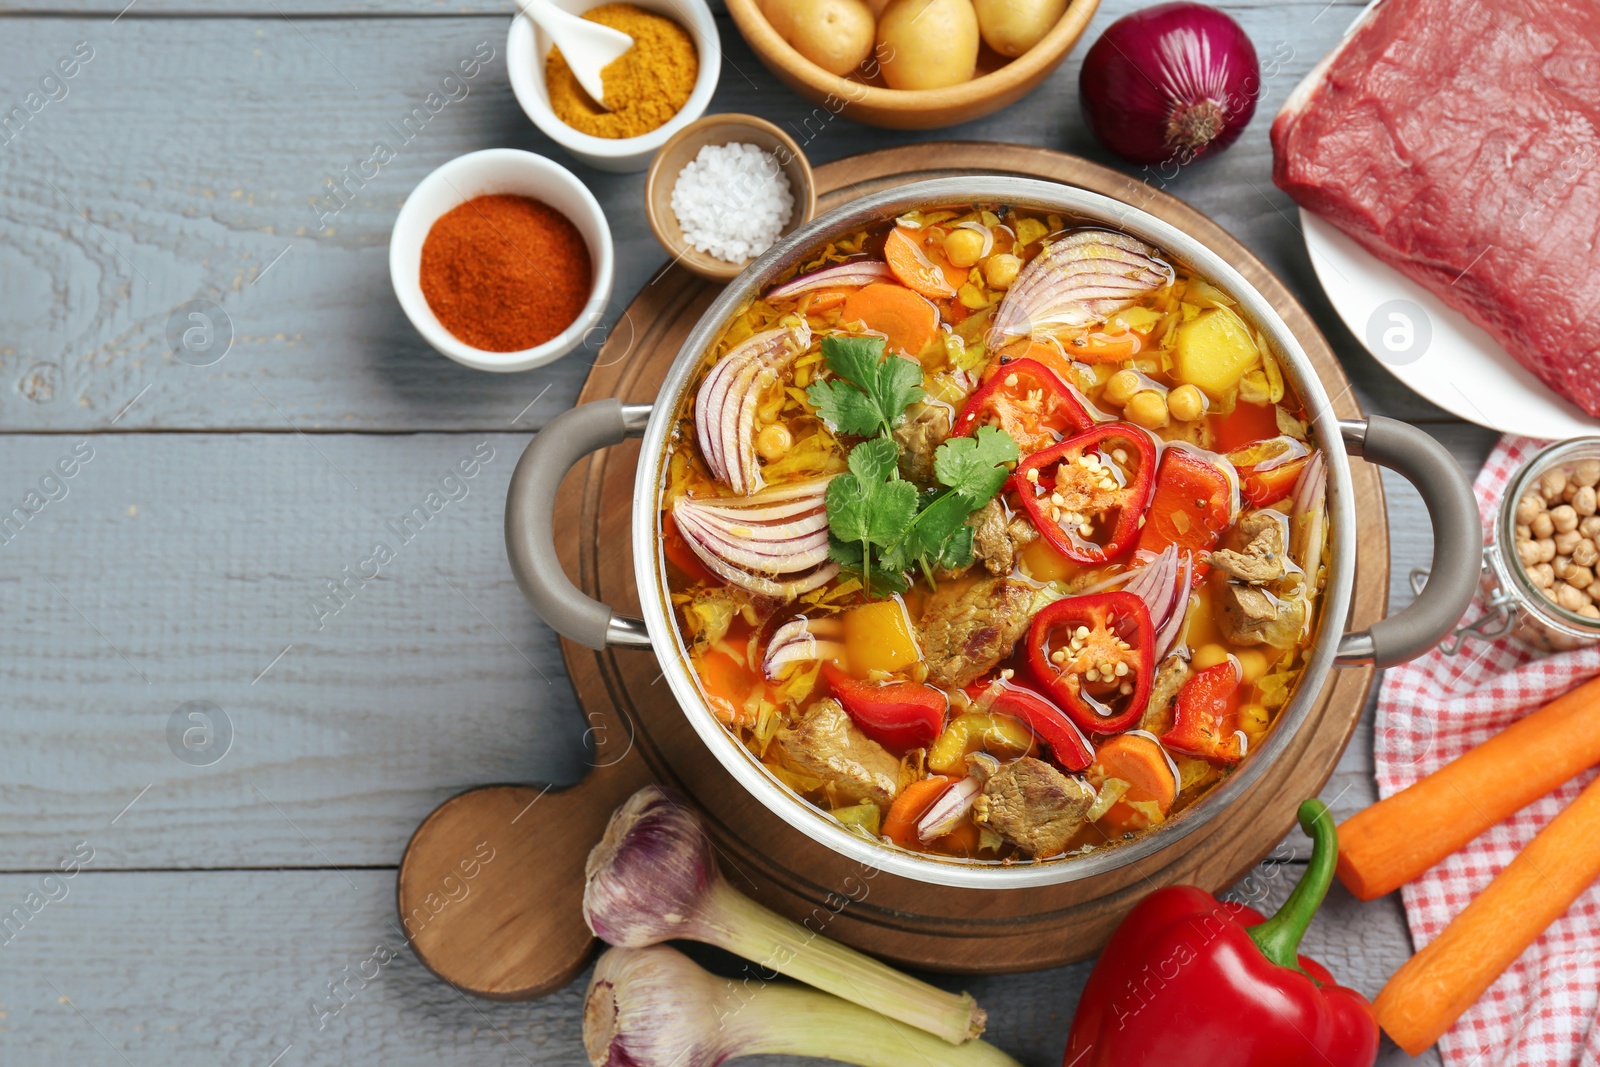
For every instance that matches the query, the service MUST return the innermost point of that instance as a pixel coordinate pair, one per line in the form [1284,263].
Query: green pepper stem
[1279,937]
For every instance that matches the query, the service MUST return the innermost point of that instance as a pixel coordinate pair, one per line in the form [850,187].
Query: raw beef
[1456,140]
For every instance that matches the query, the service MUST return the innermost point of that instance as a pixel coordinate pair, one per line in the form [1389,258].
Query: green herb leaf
[874,392]
[972,466]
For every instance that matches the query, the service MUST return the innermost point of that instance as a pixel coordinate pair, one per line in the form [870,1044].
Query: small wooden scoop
[491,885]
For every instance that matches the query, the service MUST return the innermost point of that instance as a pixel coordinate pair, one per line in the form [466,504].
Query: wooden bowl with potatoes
[912,64]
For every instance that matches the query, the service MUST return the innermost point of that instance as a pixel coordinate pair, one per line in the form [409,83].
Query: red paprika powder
[505,273]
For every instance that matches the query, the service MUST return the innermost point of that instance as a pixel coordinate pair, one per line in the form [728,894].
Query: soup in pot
[994,534]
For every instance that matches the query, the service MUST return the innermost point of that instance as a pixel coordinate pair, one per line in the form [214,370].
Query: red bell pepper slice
[1193,504]
[1269,469]
[1027,400]
[898,715]
[1205,721]
[1073,641]
[1087,494]
[1052,726]
[1232,987]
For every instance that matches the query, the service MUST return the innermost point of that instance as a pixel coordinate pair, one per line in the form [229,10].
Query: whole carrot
[1431,990]
[1390,843]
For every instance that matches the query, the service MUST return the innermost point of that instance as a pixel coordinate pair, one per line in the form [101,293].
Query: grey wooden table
[179,570]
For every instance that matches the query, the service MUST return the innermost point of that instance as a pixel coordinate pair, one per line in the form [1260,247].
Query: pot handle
[530,522]
[1457,542]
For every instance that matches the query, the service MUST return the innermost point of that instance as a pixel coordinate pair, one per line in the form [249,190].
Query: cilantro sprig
[880,526]
[874,392]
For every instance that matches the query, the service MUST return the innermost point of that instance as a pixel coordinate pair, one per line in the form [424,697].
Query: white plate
[1431,347]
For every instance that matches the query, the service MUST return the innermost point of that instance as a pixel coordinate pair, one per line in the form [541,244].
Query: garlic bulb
[653,1007]
[653,878]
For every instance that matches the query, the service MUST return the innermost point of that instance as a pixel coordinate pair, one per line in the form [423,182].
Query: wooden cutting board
[522,935]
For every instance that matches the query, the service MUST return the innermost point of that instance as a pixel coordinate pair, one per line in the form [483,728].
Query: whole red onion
[1170,82]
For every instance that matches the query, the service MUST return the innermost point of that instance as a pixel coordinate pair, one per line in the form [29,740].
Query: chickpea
[1542,575]
[1585,501]
[1570,598]
[1594,592]
[1120,387]
[1543,525]
[1561,567]
[1528,553]
[1186,403]
[1585,553]
[1147,408]
[1552,483]
[1589,611]
[963,246]
[773,441]
[1564,518]
[1208,656]
[1566,542]
[1579,577]
[1587,472]
[1547,549]
[1524,533]
[1253,664]
[1549,592]
[1590,527]
[1001,270]
[1529,507]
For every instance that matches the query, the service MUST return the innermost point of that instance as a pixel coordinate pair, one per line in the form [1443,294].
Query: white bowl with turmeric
[655,89]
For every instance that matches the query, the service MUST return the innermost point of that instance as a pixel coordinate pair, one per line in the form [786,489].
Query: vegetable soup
[994,534]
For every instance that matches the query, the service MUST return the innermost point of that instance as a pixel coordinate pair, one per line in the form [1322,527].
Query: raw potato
[836,35]
[928,44]
[1011,27]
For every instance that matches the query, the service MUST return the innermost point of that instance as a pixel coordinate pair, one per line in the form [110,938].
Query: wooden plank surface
[185,560]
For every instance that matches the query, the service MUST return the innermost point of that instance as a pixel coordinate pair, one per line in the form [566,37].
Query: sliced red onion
[796,641]
[1308,520]
[756,542]
[1167,634]
[1081,280]
[725,407]
[1153,583]
[854,273]
[944,814]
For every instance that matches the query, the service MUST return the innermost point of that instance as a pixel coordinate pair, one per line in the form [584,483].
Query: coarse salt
[732,201]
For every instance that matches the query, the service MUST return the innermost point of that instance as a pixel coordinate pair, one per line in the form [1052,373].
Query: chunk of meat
[827,744]
[1253,616]
[996,537]
[1034,806]
[1456,142]
[919,435]
[1170,676]
[969,625]
[1261,559]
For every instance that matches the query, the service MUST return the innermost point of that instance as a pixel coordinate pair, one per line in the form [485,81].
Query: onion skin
[1170,83]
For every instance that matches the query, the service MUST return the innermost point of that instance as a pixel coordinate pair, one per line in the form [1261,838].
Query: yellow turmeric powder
[644,87]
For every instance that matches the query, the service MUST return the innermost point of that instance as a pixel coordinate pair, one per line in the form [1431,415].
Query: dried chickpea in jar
[1557,536]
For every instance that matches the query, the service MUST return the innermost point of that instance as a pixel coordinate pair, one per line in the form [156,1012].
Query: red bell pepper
[1205,720]
[1027,400]
[898,715]
[1193,504]
[1072,642]
[1189,981]
[1087,494]
[1269,469]
[1052,726]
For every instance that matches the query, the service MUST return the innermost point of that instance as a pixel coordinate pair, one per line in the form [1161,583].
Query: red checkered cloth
[1543,1010]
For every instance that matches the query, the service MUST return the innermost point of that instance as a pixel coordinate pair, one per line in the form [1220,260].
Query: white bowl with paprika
[502,260]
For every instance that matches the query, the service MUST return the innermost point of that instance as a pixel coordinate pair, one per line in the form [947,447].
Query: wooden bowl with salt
[684,145]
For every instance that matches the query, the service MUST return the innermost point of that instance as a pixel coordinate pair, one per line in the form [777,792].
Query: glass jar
[1514,602]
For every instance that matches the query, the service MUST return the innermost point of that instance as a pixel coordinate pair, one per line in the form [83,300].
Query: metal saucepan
[1406,450]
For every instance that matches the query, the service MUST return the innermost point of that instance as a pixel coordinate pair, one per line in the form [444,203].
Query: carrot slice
[1102,347]
[900,825]
[1141,763]
[913,267]
[822,300]
[728,684]
[1384,846]
[1431,990]
[908,321]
